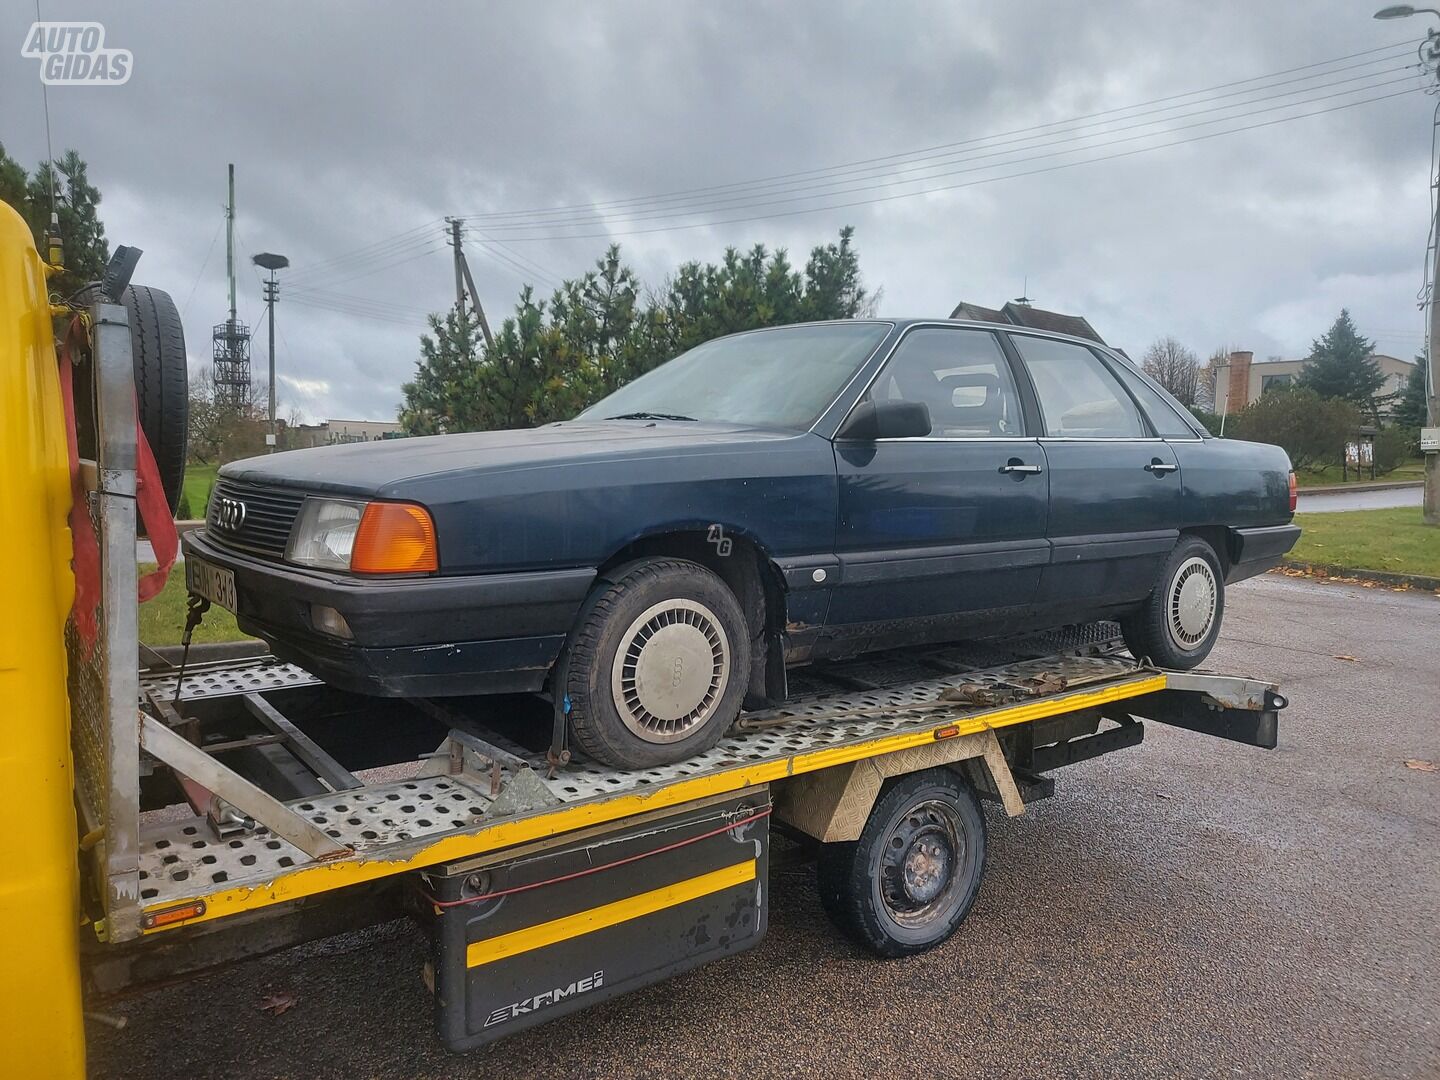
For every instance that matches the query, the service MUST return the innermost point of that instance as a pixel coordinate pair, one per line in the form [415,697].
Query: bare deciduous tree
[1174,367]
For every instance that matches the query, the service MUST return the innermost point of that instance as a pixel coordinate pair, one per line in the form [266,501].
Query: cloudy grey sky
[355,127]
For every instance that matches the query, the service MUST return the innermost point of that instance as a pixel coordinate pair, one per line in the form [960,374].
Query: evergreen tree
[597,332]
[1410,409]
[76,204]
[1341,366]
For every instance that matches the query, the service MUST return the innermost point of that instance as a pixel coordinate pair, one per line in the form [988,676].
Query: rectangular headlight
[324,533]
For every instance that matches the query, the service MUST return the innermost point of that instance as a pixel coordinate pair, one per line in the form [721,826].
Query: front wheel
[1180,620]
[657,665]
[907,884]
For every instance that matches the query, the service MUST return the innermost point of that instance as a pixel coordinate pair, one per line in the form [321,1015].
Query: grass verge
[162,620]
[1331,474]
[199,479]
[1395,540]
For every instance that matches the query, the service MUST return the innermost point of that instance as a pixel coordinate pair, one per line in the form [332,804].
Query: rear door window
[1079,397]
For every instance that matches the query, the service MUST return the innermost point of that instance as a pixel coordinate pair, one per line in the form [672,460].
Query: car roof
[902,324]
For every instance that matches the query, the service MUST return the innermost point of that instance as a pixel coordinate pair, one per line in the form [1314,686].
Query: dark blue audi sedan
[765,499]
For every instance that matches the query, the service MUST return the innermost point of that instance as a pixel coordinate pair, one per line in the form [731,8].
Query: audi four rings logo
[229,514]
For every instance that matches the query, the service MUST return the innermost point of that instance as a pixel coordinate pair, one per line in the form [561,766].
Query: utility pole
[463,280]
[1430,51]
[272,262]
[1430,512]
[455,233]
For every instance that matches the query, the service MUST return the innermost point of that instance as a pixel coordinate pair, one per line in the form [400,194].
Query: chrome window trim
[945,438]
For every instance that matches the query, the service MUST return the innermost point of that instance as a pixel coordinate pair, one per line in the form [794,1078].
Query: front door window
[961,376]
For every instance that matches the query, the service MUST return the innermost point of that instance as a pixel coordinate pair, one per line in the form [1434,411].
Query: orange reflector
[153,920]
[394,538]
[948,732]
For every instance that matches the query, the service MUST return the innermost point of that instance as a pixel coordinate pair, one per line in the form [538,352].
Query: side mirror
[871,420]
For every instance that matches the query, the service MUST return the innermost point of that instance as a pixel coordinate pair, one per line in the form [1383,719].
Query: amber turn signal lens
[1294,493]
[394,538]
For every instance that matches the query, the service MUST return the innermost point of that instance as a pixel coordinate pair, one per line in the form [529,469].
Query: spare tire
[162,387]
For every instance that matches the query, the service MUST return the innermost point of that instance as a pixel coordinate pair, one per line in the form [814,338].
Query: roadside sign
[1430,440]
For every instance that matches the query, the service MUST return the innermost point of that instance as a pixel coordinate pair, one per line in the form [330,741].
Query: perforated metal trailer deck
[232,813]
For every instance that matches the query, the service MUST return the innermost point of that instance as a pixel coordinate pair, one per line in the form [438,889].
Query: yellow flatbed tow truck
[166,816]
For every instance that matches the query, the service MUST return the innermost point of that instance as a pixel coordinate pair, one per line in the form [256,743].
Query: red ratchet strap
[154,511]
[150,503]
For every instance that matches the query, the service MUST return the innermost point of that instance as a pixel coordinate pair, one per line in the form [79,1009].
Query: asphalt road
[1359,500]
[1190,908]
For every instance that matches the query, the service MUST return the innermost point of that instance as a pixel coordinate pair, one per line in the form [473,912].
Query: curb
[1383,577]
[1383,485]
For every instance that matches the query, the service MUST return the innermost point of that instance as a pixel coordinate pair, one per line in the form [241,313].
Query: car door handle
[1015,465]
[1160,468]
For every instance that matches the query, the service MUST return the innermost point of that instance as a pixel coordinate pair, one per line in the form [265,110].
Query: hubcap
[670,670]
[1193,593]
[917,873]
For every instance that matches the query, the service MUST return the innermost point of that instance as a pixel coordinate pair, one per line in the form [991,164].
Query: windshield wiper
[651,416]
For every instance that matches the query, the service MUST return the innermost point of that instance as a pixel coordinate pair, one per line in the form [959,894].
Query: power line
[971,183]
[826,190]
[361,252]
[379,305]
[200,273]
[358,310]
[1038,128]
[382,257]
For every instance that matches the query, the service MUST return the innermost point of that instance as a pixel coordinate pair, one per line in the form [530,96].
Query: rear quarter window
[1163,415]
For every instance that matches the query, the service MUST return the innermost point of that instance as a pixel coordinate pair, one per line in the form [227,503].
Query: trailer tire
[907,884]
[1177,625]
[162,390]
[644,621]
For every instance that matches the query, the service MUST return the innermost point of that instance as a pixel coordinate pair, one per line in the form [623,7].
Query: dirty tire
[907,884]
[671,618]
[162,394]
[1180,620]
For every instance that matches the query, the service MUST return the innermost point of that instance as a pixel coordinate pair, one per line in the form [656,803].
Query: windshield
[770,378]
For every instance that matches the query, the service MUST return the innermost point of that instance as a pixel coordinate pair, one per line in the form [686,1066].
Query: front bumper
[413,637]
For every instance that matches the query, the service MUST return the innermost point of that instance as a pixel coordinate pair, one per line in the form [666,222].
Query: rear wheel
[1179,622]
[657,665]
[907,884]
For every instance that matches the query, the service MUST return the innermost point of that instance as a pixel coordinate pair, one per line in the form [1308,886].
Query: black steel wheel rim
[920,863]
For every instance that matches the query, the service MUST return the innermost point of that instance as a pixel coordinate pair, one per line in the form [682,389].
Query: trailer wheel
[657,664]
[907,884]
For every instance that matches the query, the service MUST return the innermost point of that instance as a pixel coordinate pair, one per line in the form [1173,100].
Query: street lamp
[1431,504]
[269,261]
[1401,11]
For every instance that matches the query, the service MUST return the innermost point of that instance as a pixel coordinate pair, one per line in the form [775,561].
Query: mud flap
[554,928]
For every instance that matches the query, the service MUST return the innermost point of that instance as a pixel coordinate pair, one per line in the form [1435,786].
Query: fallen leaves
[276,1004]
[1421,765]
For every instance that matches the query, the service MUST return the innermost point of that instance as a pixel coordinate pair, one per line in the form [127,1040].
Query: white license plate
[215,583]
